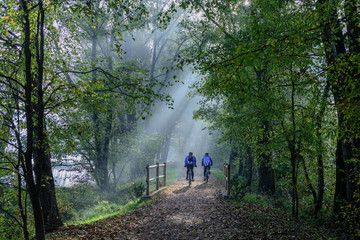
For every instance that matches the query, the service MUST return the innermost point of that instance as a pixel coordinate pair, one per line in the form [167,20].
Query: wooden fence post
[147,180]
[157,176]
[225,176]
[164,174]
[229,185]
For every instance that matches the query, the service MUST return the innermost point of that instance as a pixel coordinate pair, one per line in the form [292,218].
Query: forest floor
[195,212]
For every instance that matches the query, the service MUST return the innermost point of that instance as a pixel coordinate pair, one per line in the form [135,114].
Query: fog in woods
[94,92]
[173,125]
[160,129]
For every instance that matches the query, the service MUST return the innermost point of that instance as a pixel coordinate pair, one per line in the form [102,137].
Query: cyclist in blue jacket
[190,162]
[206,162]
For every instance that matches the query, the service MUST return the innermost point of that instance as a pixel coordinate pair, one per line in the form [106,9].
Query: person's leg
[187,171]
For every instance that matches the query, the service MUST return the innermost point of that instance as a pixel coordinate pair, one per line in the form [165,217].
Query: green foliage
[98,211]
[84,203]
[261,62]
[257,199]
[137,189]
[10,218]
[105,210]
[238,187]
[144,150]
[65,203]
[172,173]
[105,207]
[92,95]
[218,174]
[72,201]
[262,70]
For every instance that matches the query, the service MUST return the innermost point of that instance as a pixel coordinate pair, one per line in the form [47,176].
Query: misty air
[179,119]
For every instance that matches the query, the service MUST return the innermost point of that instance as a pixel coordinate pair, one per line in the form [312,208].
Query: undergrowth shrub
[137,189]
[65,204]
[10,228]
[106,207]
[238,187]
[100,210]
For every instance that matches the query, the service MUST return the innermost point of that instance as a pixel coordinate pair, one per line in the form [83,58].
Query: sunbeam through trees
[93,91]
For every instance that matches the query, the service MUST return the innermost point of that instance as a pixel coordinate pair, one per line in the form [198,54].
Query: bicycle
[190,176]
[190,173]
[207,171]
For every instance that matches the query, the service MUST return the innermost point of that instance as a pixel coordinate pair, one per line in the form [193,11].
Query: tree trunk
[234,156]
[106,146]
[165,148]
[321,184]
[294,155]
[50,210]
[294,193]
[238,156]
[5,130]
[36,206]
[340,197]
[33,187]
[151,76]
[41,152]
[248,167]
[308,181]
[352,25]
[320,162]
[334,42]
[101,138]
[266,171]
[23,210]
[241,165]
[102,143]
[131,121]
[347,155]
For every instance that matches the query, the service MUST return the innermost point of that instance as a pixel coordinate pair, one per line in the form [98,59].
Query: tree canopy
[81,81]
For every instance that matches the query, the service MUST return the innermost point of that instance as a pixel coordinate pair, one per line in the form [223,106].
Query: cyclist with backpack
[190,162]
[206,162]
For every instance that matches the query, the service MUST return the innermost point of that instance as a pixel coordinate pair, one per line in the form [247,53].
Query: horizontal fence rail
[157,177]
[227,178]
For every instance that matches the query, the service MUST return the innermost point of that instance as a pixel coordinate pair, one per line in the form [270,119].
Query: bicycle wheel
[189,177]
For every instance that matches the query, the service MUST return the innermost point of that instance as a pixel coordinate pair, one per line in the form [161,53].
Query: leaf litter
[195,212]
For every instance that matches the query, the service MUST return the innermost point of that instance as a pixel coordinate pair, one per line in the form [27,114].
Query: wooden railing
[157,177]
[227,178]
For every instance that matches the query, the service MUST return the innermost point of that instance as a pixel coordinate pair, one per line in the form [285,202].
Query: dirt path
[196,212]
